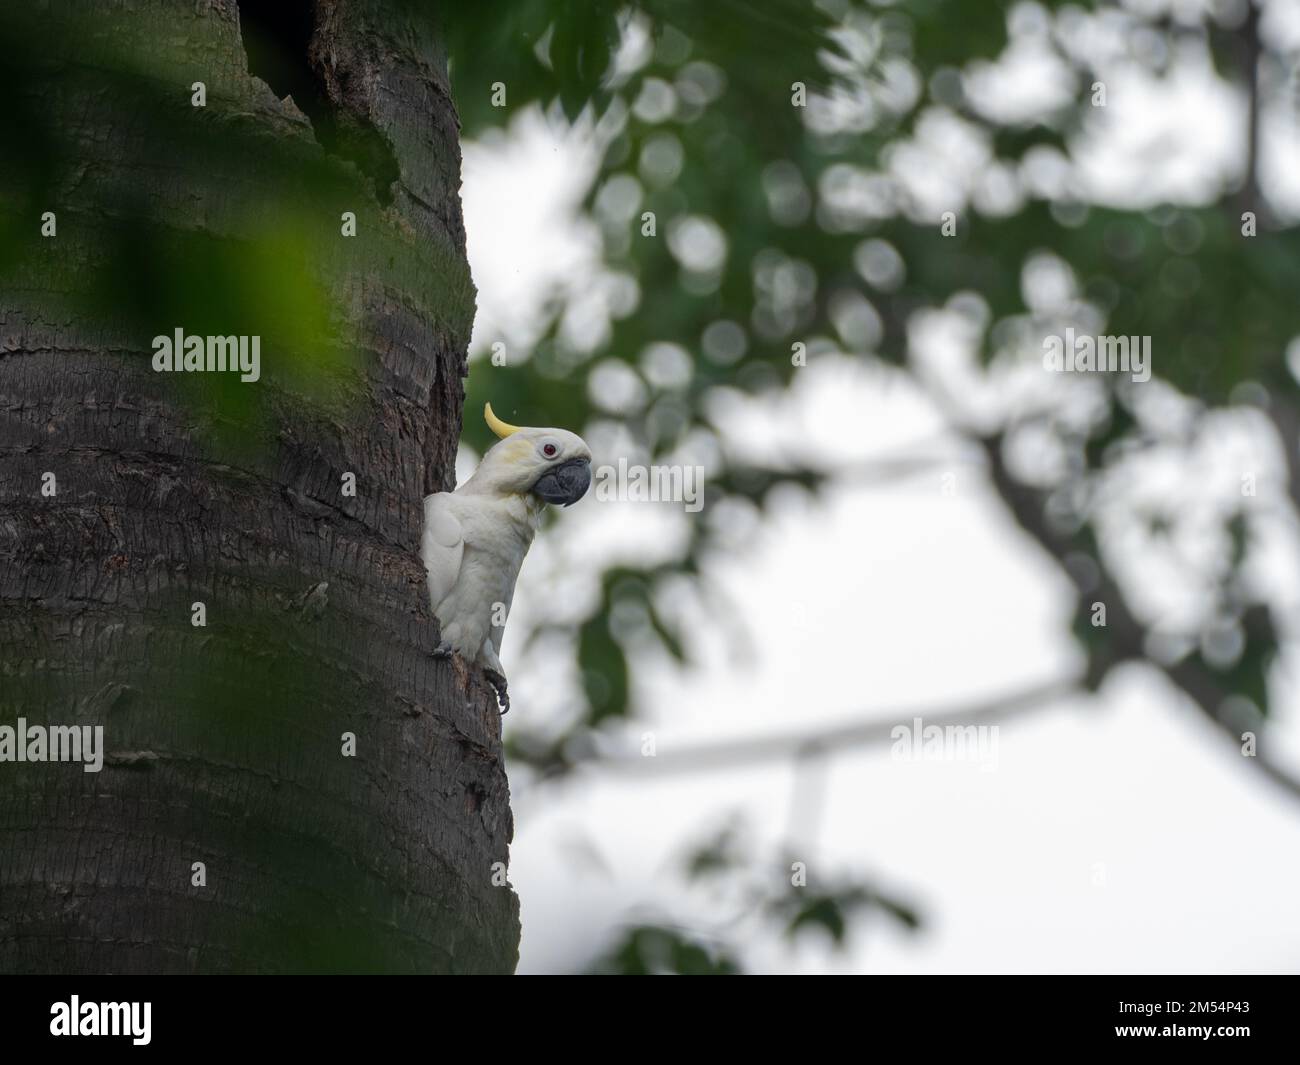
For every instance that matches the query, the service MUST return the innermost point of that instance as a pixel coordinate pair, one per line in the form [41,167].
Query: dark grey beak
[566,483]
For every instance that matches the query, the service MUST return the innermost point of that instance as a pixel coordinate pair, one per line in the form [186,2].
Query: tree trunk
[224,213]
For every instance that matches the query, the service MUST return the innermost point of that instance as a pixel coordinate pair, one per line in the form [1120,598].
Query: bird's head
[553,465]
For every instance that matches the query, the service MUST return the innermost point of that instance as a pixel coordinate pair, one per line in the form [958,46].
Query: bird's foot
[498,683]
[443,650]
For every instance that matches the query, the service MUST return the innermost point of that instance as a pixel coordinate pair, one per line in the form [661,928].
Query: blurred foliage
[831,909]
[824,246]
[779,225]
[655,950]
[781,894]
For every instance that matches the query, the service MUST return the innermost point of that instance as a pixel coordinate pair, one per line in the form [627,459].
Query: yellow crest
[502,429]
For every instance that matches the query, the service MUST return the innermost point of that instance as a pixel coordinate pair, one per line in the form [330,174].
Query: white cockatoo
[475,538]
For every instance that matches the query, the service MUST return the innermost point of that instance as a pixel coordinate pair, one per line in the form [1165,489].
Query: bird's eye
[550,450]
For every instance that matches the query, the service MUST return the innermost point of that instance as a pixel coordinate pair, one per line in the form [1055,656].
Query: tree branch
[1127,634]
[725,754]
[1251,50]
[903,463]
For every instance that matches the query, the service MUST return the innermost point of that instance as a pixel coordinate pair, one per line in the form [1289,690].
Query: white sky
[1117,834]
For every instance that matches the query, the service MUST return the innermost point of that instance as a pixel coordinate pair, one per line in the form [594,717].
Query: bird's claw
[443,650]
[498,683]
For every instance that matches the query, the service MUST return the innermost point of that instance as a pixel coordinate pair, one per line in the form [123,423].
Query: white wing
[442,546]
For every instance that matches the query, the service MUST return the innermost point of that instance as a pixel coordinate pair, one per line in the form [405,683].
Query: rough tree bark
[226,740]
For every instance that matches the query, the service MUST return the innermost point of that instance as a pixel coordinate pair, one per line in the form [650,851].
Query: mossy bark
[226,741]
